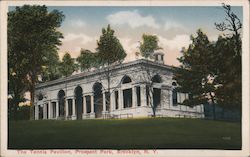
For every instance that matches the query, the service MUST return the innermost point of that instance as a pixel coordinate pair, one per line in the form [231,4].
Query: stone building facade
[136,88]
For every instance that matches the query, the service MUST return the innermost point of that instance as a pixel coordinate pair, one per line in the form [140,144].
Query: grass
[158,133]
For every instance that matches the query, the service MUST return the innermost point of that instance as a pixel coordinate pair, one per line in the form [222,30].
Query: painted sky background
[173,26]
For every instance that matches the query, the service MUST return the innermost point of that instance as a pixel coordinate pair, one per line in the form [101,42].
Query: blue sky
[173,25]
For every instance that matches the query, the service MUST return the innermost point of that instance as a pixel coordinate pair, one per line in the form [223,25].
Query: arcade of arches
[100,102]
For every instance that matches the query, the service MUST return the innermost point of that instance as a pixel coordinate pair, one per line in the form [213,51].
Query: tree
[32,36]
[229,50]
[88,59]
[51,70]
[67,66]
[109,51]
[148,45]
[195,75]
[109,47]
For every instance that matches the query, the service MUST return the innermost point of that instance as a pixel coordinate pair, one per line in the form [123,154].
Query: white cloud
[177,42]
[83,38]
[77,23]
[172,24]
[130,47]
[132,18]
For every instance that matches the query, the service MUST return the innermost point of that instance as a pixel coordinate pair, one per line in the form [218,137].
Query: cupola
[159,57]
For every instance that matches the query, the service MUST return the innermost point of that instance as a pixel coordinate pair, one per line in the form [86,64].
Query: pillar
[57,109]
[84,105]
[44,111]
[73,107]
[103,101]
[92,103]
[49,110]
[120,99]
[66,108]
[143,95]
[36,112]
[134,97]
[112,101]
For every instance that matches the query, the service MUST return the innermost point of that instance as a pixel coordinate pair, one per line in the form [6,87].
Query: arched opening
[156,79]
[126,79]
[61,101]
[98,99]
[78,102]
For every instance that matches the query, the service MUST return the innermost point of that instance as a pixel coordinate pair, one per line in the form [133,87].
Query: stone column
[73,108]
[92,103]
[49,110]
[143,95]
[84,105]
[66,108]
[44,111]
[120,99]
[57,109]
[36,113]
[103,101]
[134,97]
[112,100]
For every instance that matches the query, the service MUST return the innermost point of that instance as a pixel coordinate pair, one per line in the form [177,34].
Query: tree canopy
[148,45]
[67,66]
[32,38]
[109,47]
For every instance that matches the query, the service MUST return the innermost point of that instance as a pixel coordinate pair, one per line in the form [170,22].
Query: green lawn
[125,134]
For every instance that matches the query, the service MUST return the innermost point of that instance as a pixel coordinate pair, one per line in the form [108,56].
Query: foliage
[109,47]
[67,66]
[88,59]
[194,75]
[51,70]
[21,113]
[32,37]
[148,45]
[229,69]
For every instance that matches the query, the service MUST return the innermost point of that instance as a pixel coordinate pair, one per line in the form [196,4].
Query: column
[36,112]
[49,110]
[66,108]
[92,103]
[103,102]
[143,95]
[150,99]
[57,109]
[134,97]
[73,107]
[112,100]
[84,105]
[120,99]
[44,111]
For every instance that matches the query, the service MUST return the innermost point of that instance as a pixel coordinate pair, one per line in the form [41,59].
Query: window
[127,98]
[174,97]
[138,95]
[88,105]
[70,106]
[156,79]
[147,94]
[54,109]
[126,79]
[116,100]
[162,57]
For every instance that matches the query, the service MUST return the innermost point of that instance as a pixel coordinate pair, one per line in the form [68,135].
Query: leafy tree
[88,59]
[148,45]
[109,47]
[51,70]
[67,66]
[109,51]
[194,75]
[32,37]
[229,49]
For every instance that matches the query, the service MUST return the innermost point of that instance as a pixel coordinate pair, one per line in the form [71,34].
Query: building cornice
[101,71]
